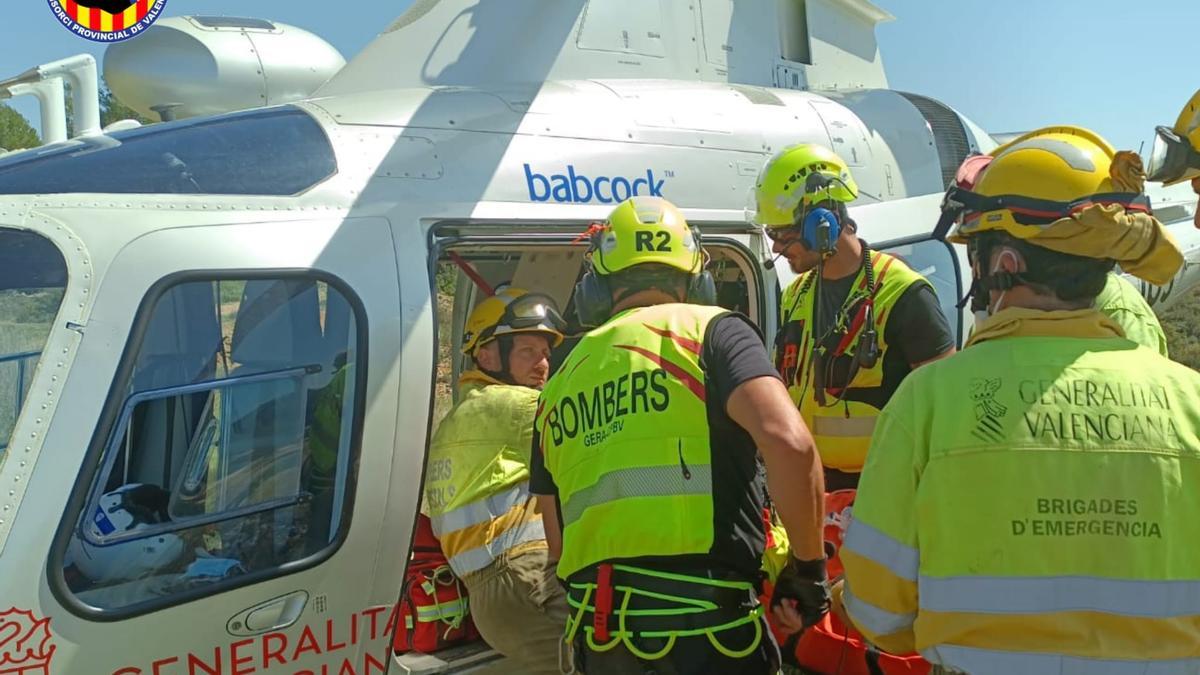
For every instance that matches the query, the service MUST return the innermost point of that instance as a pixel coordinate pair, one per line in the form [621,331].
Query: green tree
[15,130]
[113,110]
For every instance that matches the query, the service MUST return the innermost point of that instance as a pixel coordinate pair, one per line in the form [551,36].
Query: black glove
[805,582]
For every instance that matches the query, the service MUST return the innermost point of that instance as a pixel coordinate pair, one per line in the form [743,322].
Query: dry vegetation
[25,318]
[1181,323]
[443,392]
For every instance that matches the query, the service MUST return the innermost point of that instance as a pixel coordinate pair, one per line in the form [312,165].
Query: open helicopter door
[239,413]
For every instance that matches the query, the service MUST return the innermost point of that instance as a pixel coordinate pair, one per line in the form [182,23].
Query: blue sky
[1116,66]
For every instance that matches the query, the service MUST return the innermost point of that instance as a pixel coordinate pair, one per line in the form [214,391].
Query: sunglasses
[784,235]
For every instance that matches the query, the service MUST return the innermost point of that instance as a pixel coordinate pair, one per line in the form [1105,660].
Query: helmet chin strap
[504,344]
[979,293]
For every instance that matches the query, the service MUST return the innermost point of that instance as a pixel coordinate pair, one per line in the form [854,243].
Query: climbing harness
[656,605]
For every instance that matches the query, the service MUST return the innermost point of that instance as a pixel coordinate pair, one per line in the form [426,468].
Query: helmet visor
[1172,159]
[532,310]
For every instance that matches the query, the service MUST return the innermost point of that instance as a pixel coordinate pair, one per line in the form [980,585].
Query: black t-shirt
[916,331]
[733,354]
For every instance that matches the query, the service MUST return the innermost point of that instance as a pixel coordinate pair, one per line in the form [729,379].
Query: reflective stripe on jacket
[477,481]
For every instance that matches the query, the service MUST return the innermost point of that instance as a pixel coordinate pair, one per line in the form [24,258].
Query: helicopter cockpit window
[277,151]
[33,278]
[231,454]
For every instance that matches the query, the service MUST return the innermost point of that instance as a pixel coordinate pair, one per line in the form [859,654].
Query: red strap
[859,317]
[590,232]
[471,273]
[604,601]
[767,527]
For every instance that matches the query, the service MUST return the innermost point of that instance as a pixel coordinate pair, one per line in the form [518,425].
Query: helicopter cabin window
[936,261]
[231,454]
[33,278]
[275,151]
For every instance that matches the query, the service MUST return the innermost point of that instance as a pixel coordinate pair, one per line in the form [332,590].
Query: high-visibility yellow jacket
[1122,303]
[1035,510]
[477,482]
[624,431]
[842,430]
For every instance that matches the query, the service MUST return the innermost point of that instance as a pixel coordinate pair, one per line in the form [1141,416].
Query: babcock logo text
[578,188]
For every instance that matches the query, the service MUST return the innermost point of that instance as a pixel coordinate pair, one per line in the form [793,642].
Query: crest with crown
[25,643]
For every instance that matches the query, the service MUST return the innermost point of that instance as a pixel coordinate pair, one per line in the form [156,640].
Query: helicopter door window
[33,277]
[935,261]
[231,452]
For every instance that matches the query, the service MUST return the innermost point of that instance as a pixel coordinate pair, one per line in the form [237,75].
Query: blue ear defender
[820,230]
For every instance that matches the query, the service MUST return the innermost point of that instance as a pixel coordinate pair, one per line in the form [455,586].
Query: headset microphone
[770,264]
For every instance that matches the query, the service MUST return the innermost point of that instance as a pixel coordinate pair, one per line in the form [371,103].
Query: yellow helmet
[1176,154]
[1064,188]
[642,230]
[1038,176]
[786,182]
[511,311]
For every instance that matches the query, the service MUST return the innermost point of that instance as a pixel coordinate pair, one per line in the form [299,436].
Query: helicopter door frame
[297,611]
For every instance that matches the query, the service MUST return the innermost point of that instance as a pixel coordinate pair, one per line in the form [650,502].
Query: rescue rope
[456,612]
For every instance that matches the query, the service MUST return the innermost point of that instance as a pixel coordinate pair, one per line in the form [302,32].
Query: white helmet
[128,508]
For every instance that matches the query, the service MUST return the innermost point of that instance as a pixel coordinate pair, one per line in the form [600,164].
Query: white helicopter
[226,338]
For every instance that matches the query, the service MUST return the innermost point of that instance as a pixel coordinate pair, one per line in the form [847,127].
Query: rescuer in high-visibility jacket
[855,322]
[1122,303]
[1176,153]
[645,452]
[1028,504]
[477,481]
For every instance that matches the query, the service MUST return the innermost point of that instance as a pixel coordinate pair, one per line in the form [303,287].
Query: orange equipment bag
[434,611]
[830,647]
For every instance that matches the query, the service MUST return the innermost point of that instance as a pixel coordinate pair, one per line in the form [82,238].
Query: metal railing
[22,360]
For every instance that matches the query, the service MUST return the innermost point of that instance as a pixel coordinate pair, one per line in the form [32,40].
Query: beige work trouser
[521,610]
